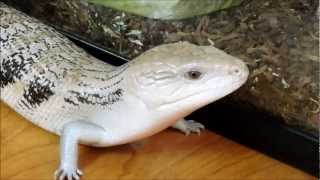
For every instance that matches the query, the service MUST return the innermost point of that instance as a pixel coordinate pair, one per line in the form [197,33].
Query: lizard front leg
[188,126]
[73,133]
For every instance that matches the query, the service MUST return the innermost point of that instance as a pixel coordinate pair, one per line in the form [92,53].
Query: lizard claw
[68,173]
[192,126]
[188,126]
[79,172]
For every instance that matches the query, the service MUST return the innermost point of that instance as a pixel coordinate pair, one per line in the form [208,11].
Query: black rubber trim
[97,51]
[251,128]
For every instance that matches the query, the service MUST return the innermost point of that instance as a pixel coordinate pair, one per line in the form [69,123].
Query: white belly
[128,121]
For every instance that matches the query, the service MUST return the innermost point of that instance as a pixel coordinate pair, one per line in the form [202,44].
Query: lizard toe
[67,173]
[193,126]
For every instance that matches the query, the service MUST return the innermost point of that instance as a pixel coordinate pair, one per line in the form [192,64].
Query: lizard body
[61,88]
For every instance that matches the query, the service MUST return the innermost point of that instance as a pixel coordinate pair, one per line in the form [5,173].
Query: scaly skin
[59,87]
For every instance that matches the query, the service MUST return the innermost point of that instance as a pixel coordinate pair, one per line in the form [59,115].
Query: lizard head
[184,76]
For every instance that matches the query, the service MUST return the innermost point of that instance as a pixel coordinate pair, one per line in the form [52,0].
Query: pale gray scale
[82,62]
[25,40]
[106,75]
[65,64]
[87,61]
[24,106]
[64,69]
[15,28]
[69,54]
[91,91]
[21,60]
[92,85]
[24,30]
[3,9]
[7,10]
[50,39]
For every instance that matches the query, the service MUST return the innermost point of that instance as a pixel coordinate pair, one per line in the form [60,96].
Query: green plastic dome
[168,9]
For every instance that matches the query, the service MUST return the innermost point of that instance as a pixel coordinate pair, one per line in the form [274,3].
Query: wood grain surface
[28,152]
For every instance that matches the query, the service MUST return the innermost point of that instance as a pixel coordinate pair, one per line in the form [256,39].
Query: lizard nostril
[235,71]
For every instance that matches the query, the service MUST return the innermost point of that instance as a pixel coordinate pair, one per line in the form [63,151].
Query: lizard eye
[193,75]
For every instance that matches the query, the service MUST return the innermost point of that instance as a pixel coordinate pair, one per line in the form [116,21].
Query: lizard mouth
[213,92]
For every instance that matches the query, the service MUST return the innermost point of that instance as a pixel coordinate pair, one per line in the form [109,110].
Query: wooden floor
[28,152]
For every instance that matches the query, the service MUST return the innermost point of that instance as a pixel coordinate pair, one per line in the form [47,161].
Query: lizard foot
[69,173]
[193,126]
[188,126]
